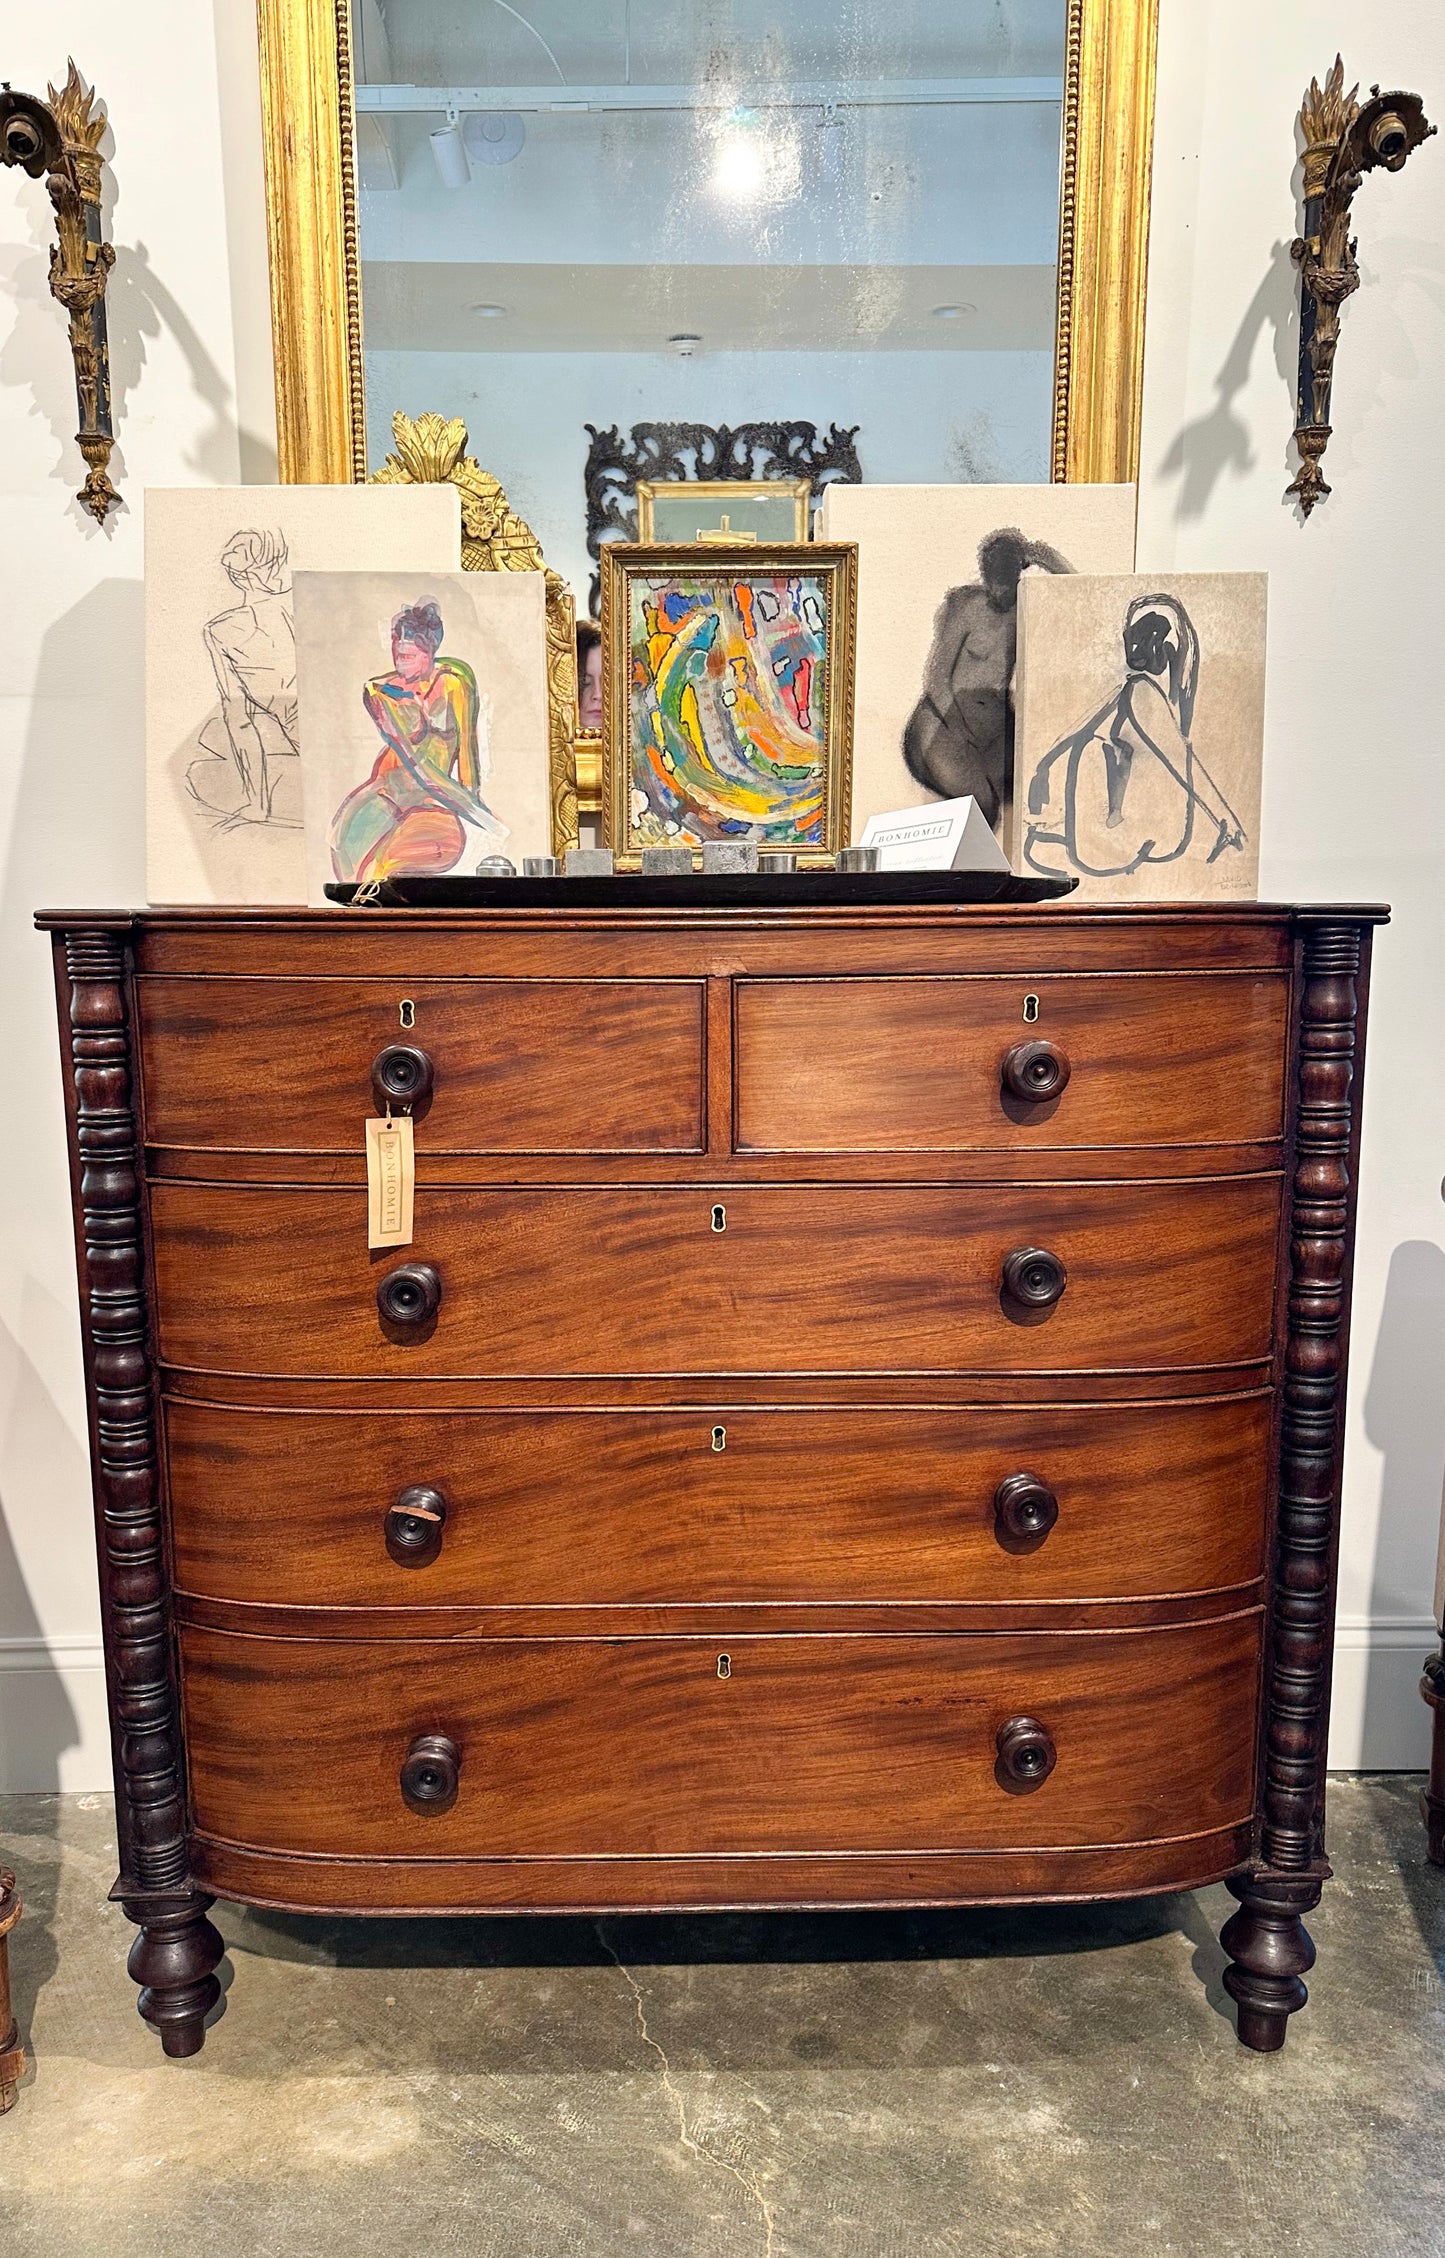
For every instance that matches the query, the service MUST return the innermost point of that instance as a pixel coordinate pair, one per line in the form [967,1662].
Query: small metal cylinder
[775,860]
[540,866]
[858,858]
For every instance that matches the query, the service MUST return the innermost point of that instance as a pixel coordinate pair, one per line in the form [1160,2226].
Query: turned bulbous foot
[1270,1951]
[172,1960]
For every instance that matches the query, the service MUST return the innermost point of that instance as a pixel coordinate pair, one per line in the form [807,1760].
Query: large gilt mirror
[827,238]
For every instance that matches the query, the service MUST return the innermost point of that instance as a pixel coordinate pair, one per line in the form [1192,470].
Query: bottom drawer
[657,1747]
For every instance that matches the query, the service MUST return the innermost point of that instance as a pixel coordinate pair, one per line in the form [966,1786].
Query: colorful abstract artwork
[727,698]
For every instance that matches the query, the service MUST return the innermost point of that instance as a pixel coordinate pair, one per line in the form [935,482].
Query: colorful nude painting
[425,700]
[435,730]
[729,698]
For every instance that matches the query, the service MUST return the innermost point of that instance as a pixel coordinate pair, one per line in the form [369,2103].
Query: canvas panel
[223,738]
[1140,733]
[727,706]
[422,756]
[935,643]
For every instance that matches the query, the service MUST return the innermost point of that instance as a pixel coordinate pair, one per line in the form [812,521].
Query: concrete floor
[968,2085]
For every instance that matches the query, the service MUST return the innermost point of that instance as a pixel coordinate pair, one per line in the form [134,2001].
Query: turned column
[1269,1946]
[178,1948]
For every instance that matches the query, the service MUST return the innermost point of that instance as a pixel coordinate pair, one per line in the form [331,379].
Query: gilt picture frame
[723,510]
[727,687]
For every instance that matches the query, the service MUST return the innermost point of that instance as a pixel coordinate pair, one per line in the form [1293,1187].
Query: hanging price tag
[390,1181]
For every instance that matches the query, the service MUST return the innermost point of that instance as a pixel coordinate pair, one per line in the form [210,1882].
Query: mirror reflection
[836,220]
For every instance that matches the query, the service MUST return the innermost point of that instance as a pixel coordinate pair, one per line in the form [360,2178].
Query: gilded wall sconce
[1344,139]
[61,139]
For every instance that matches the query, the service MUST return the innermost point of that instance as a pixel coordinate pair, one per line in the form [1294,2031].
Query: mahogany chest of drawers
[858,1421]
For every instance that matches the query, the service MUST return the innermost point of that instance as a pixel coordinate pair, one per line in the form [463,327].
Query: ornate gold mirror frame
[1108,137]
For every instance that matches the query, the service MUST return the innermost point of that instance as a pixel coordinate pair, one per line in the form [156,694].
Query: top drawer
[543,1066]
[917,1065]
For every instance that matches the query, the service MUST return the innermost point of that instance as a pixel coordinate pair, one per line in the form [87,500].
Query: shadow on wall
[1201,452]
[77,829]
[38,1723]
[1405,1420]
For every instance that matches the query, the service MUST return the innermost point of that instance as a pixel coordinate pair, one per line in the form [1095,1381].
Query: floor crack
[746,2180]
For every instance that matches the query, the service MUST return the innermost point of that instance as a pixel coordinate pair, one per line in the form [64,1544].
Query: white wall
[190,347]
[1354,785]
[1353,794]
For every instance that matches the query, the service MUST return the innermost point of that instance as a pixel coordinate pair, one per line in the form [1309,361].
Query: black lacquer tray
[802,889]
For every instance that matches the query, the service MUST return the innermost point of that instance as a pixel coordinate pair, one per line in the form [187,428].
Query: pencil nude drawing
[1140,734]
[247,770]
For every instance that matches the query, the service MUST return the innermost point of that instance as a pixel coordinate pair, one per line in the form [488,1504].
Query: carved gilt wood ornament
[431,451]
[61,138]
[1344,140]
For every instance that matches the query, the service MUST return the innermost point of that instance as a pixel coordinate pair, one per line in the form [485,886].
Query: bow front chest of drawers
[858,1421]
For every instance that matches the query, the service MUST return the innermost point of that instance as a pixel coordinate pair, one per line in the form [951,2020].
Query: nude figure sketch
[248,770]
[1127,789]
[960,736]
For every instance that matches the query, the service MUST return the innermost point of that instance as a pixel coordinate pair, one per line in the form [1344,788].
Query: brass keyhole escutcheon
[719,1438]
[406,1012]
[1031,1009]
[724,1665]
[719,1218]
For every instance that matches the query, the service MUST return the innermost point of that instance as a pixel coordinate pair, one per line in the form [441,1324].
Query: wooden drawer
[584,1066]
[915,1065]
[640,1748]
[799,1279]
[623,1508]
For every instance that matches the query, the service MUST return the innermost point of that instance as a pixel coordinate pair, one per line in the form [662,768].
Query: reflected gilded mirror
[836,238]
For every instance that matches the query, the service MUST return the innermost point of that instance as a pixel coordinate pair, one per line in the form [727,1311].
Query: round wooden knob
[1034,1071]
[430,1774]
[1026,1753]
[414,1526]
[401,1075]
[410,1295]
[1034,1278]
[1025,1509]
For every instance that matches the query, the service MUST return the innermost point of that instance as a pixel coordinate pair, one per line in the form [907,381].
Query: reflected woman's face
[589,688]
[411,658]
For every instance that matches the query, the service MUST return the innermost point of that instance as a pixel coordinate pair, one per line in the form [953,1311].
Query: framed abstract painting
[728,696]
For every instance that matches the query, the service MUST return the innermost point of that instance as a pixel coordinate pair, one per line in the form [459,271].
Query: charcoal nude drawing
[1127,789]
[960,736]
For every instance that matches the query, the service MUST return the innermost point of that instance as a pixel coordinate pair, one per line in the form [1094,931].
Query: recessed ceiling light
[685,343]
[489,312]
[952,313]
